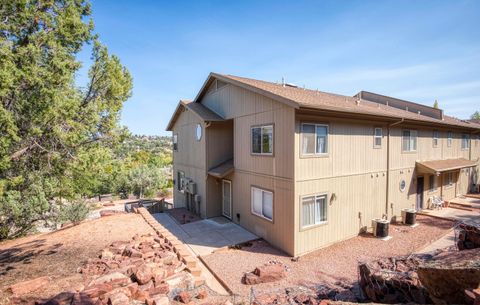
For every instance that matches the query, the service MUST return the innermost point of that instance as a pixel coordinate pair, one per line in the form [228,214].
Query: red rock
[114,278]
[105,213]
[97,290]
[301,298]
[123,290]
[449,274]
[161,300]
[146,286]
[106,254]
[183,297]
[161,288]
[143,274]
[118,298]
[141,295]
[133,287]
[270,272]
[148,254]
[250,279]
[29,286]
[202,295]
[264,274]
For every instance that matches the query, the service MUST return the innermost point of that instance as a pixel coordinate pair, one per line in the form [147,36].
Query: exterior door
[227,198]
[420,187]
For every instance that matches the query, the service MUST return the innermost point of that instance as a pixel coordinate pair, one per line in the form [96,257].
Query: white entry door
[227,198]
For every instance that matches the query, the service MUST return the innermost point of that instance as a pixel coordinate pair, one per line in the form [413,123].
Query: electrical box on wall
[191,188]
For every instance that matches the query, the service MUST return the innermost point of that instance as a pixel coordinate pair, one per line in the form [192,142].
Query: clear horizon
[417,51]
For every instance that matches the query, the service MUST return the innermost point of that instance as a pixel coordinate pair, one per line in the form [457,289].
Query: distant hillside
[156,145]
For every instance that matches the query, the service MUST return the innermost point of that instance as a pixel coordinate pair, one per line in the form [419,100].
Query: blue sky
[414,50]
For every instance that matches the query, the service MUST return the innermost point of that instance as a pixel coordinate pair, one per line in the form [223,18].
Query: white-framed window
[175,142]
[377,137]
[449,138]
[435,138]
[449,179]
[180,179]
[314,210]
[409,140]
[262,140]
[262,203]
[465,141]
[403,185]
[314,139]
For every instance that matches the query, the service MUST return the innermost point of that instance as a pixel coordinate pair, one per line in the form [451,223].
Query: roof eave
[173,119]
[389,117]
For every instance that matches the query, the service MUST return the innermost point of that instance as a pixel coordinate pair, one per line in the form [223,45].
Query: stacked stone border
[179,247]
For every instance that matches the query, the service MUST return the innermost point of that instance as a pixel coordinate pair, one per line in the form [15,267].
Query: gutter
[387,197]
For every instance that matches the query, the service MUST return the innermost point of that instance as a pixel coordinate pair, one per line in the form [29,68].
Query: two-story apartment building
[304,169]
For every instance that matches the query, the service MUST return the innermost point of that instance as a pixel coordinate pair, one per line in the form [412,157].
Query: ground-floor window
[450,179]
[431,183]
[314,210]
[262,203]
[180,178]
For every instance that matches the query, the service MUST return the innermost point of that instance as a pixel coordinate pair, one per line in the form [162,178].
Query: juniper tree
[47,122]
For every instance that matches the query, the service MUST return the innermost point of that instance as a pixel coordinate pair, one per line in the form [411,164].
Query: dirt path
[58,254]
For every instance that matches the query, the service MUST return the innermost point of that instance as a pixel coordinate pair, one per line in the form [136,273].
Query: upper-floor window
[377,137]
[262,203]
[465,141]
[314,139]
[449,138]
[314,210]
[409,140]
[262,140]
[175,142]
[435,138]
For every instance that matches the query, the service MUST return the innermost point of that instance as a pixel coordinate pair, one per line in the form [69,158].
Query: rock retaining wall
[178,247]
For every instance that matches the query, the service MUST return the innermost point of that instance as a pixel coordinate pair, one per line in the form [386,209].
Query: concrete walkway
[455,215]
[208,235]
[447,240]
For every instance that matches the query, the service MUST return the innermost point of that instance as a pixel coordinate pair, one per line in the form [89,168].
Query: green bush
[74,212]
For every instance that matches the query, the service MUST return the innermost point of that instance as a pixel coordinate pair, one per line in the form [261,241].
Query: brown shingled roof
[204,113]
[306,98]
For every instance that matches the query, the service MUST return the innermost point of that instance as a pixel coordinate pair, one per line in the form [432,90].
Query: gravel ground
[328,265]
[58,254]
[179,213]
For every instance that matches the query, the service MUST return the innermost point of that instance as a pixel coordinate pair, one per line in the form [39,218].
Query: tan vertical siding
[353,171]
[190,157]
[219,138]
[274,173]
